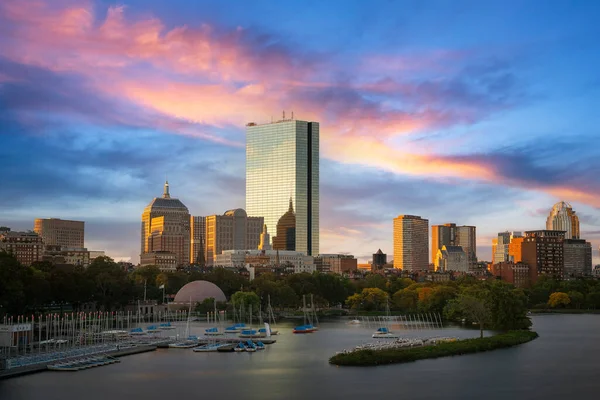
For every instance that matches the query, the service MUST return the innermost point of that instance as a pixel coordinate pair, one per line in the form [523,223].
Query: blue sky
[471,112]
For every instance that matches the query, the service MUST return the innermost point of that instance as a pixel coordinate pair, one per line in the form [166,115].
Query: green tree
[559,299]
[228,281]
[112,288]
[577,298]
[245,299]
[406,300]
[369,299]
[474,310]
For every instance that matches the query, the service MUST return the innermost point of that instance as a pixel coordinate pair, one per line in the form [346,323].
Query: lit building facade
[337,263]
[286,231]
[411,243]
[282,161]
[26,247]
[452,235]
[60,232]
[299,261]
[233,230]
[198,240]
[265,240]
[166,228]
[563,218]
[501,246]
[451,258]
[543,251]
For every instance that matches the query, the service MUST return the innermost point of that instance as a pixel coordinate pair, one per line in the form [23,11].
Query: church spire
[166,194]
[291,205]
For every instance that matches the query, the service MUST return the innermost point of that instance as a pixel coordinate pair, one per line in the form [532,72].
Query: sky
[478,113]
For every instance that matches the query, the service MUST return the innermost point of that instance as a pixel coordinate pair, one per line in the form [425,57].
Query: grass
[466,346]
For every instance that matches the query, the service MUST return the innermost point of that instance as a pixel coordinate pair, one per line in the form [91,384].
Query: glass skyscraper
[282,162]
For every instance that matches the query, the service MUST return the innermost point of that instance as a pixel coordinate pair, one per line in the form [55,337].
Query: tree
[474,310]
[559,299]
[508,306]
[228,281]
[577,298]
[406,300]
[245,299]
[369,299]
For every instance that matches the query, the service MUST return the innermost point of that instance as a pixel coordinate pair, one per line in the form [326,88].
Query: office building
[282,161]
[411,243]
[563,218]
[518,273]
[297,261]
[337,263]
[233,230]
[166,229]
[26,247]
[198,240]
[501,246]
[543,251]
[578,258]
[515,252]
[452,235]
[379,260]
[286,231]
[451,258]
[60,232]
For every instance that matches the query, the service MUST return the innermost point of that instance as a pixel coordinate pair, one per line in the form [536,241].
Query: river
[561,364]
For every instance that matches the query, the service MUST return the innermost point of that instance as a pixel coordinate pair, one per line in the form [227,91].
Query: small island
[442,349]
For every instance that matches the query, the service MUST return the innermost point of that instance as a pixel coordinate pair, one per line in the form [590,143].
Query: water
[561,364]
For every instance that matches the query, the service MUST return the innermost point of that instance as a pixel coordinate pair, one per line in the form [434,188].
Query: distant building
[234,230]
[283,157]
[96,253]
[26,247]
[198,240]
[519,274]
[543,251]
[60,232]
[501,246]
[451,258]
[286,231]
[166,229]
[164,260]
[299,261]
[563,218]
[411,243]
[379,260]
[515,249]
[57,255]
[339,263]
[578,258]
[452,235]
[265,240]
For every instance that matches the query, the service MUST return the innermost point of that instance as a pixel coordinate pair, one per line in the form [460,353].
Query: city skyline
[489,127]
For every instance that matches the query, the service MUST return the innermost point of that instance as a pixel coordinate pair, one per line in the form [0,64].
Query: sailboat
[236,328]
[384,332]
[189,341]
[270,318]
[308,326]
[249,333]
[214,331]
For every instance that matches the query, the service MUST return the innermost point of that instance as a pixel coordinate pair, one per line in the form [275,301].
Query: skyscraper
[166,229]
[233,230]
[286,231]
[60,232]
[198,240]
[411,243]
[452,235]
[544,252]
[563,218]
[282,161]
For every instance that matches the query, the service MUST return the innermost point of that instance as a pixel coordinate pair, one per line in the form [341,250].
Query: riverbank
[467,346]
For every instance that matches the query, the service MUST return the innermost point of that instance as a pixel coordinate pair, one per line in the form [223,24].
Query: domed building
[196,292]
[165,233]
[234,230]
[286,231]
[563,218]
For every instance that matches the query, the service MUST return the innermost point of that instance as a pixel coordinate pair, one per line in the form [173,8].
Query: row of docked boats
[248,346]
[83,363]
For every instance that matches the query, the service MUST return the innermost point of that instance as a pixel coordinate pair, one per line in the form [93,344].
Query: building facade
[60,232]
[198,240]
[379,260]
[26,247]
[233,230]
[282,161]
[452,235]
[299,261]
[411,243]
[519,274]
[164,260]
[578,258]
[265,240]
[337,263]
[563,218]
[166,228]
[515,249]
[286,231]
[451,258]
[543,251]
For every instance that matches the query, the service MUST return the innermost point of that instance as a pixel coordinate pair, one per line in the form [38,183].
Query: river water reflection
[561,364]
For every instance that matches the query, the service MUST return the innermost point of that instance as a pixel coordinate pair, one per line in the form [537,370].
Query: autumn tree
[559,299]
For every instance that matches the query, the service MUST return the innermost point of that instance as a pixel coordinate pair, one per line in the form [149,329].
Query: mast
[304,307]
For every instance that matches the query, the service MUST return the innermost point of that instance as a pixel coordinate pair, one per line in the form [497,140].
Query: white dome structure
[197,292]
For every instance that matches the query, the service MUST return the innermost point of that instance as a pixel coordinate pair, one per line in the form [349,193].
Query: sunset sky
[458,111]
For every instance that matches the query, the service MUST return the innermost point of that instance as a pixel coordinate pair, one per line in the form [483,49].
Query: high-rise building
[198,240]
[282,161]
[26,247]
[578,258]
[501,246]
[265,240]
[411,243]
[233,230]
[515,251]
[60,232]
[543,251]
[452,235]
[286,231]
[166,229]
[563,218]
[379,260]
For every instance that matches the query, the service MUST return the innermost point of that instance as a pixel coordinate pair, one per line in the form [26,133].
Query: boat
[214,331]
[152,329]
[250,346]
[271,317]
[384,333]
[137,332]
[166,326]
[190,340]
[236,328]
[302,329]
[226,348]
[249,334]
[240,347]
[211,347]
[260,345]
[187,344]
[354,322]
[307,327]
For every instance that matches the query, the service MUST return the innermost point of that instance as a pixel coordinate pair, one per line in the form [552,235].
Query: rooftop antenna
[292,115]
[284,115]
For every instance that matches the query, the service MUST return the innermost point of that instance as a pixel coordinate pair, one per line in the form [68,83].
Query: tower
[283,156]
[563,218]
[411,243]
